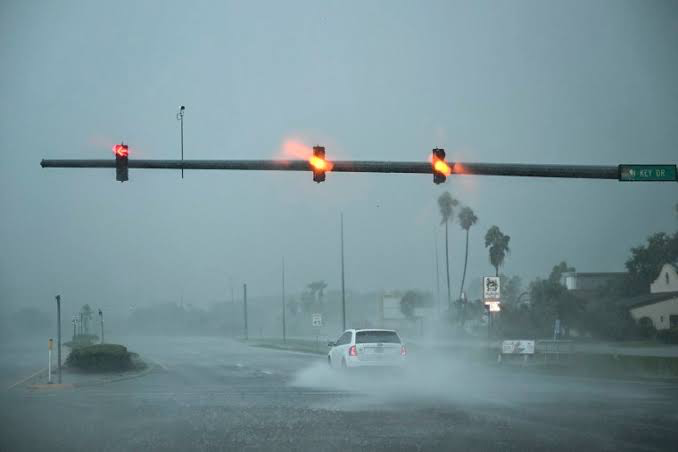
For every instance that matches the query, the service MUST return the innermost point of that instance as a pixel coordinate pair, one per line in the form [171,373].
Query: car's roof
[371,329]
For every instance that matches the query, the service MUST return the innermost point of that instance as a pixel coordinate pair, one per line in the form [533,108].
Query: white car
[367,348]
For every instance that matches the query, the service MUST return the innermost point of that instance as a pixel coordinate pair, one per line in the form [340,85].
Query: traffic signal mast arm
[357,166]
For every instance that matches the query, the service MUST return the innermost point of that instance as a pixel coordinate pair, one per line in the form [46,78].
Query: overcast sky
[543,82]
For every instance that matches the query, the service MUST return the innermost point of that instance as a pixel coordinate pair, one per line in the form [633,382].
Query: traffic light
[121,153]
[318,163]
[440,167]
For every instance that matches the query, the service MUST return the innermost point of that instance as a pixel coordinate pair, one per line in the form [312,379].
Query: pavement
[211,393]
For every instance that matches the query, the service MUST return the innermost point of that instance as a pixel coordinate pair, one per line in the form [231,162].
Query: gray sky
[544,82]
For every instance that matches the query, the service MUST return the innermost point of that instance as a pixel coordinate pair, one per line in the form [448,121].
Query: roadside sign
[317,319]
[491,290]
[647,173]
[493,306]
[517,347]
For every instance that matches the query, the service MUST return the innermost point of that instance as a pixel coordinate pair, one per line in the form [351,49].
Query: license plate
[379,350]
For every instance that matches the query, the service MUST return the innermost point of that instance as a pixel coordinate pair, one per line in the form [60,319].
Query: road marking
[51,386]
[26,379]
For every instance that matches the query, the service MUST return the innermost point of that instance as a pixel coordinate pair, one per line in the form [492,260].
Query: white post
[49,364]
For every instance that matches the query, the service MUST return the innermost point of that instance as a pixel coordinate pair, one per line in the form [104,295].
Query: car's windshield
[369,337]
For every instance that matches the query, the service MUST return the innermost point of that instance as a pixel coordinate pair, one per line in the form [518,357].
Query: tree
[551,300]
[646,261]
[466,219]
[498,243]
[558,271]
[511,289]
[414,299]
[447,203]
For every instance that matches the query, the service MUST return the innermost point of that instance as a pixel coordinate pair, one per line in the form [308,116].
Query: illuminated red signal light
[440,167]
[319,165]
[121,150]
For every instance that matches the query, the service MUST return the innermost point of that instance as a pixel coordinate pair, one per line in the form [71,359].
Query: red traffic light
[440,167]
[318,164]
[121,150]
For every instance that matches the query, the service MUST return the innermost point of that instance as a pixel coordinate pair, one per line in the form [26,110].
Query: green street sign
[647,173]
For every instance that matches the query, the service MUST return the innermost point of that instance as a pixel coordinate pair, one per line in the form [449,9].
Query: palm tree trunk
[461,289]
[496,271]
[463,276]
[447,268]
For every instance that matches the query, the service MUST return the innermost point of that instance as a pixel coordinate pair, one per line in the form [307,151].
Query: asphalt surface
[218,394]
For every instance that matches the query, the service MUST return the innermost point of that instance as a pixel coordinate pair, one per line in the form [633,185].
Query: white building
[667,280]
[661,304]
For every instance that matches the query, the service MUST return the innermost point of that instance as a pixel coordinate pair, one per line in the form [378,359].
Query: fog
[572,82]
[488,82]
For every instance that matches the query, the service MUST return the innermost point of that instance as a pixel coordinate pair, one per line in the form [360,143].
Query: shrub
[646,328]
[669,336]
[82,340]
[101,357]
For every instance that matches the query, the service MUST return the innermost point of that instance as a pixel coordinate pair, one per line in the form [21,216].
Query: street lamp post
[284,325]
[101,319]
[180,117]
[343,290]
[244,302]
[58,301]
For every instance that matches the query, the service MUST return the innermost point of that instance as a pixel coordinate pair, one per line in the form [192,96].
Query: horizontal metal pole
[357,166]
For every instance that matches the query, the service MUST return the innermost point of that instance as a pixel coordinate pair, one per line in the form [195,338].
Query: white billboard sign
[491,289]
[517,347]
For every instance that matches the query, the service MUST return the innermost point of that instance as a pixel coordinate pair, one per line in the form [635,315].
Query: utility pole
[58,300]
[180,117]
[75,322]
[343,290]
[244,288]
[435,245]
[447,268]
[101,319]
[284,326]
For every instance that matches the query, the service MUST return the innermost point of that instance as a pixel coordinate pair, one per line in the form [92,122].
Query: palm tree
[447,203]
[466,219]
[498,242]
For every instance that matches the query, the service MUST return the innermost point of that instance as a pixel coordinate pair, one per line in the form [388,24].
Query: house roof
[647,299]
[595,274]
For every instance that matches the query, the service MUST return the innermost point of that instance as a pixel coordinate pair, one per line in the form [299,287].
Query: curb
[26,382]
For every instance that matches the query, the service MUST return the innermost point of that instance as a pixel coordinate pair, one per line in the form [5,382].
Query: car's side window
[344,339]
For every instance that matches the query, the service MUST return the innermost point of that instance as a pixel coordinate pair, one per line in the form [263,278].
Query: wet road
[217,394]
